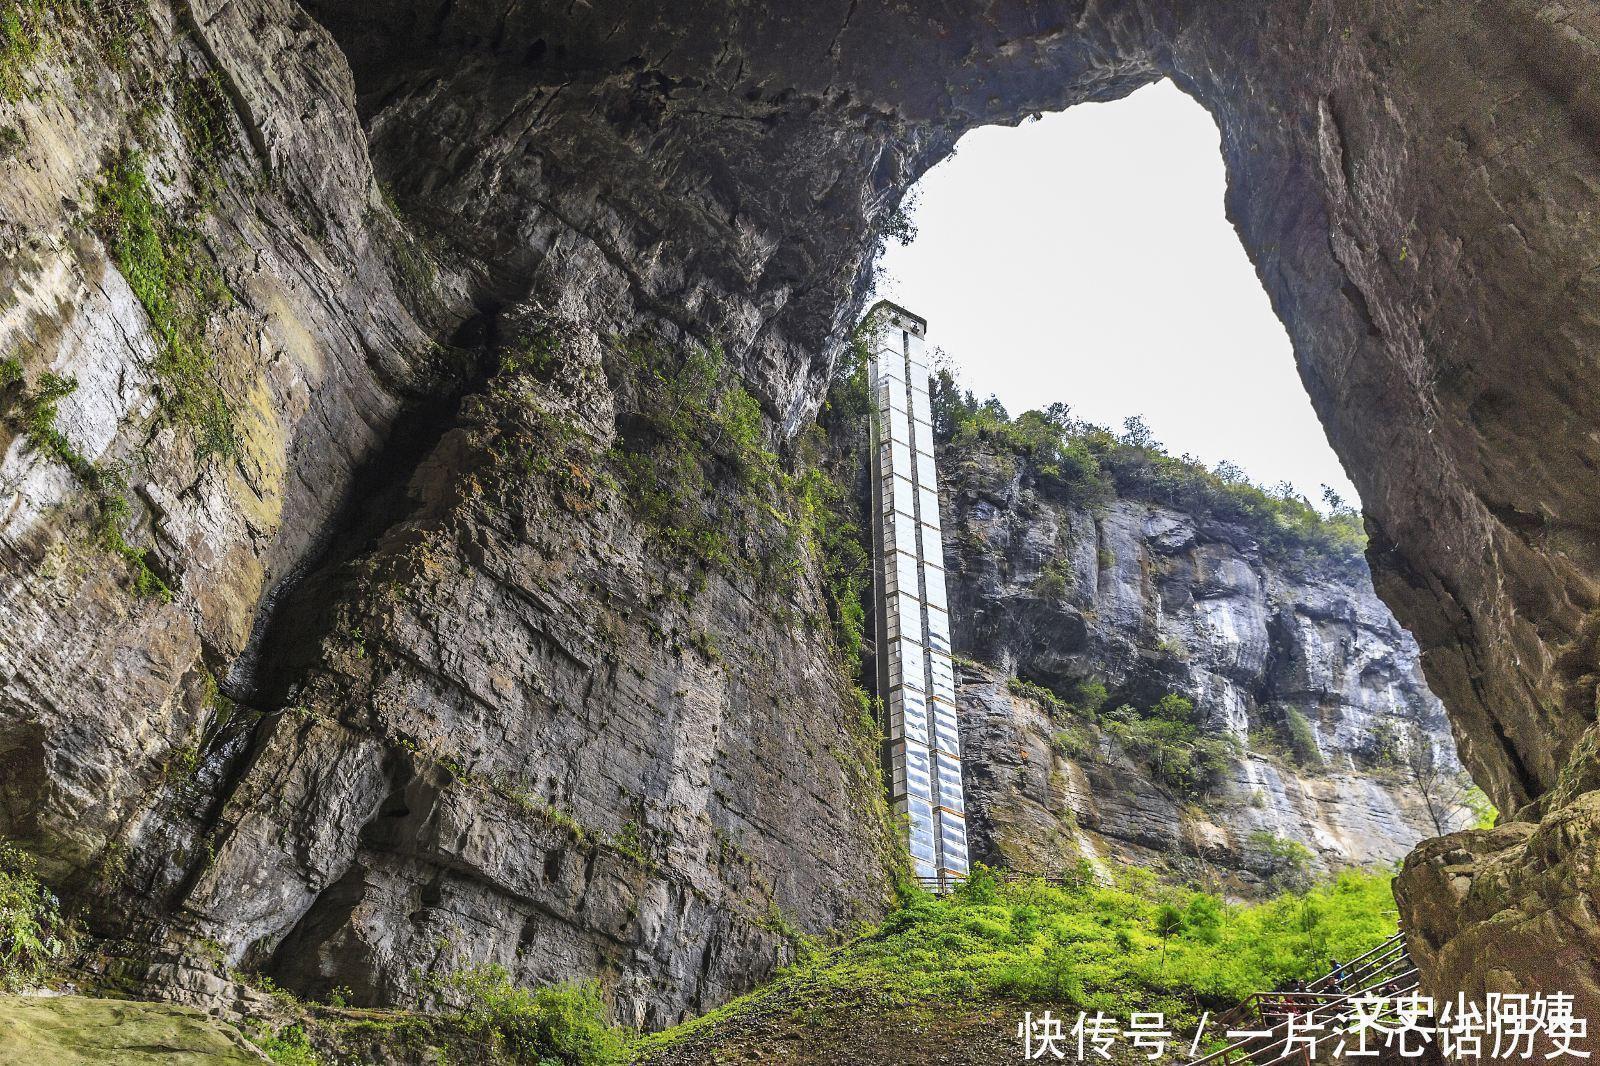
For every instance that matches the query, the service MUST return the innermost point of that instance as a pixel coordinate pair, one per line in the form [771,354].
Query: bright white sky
[1085,257]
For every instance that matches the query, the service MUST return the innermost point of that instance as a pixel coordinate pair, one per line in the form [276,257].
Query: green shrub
[558,1024]
[1062,463]
[1383,748]
[1089,696]
[1167,740]
[288,1046]
[850,392]
[1484,812]
[1054,705]
[1285,522]
[1087,464]
[1203,918]
[1054,581]
[32,932]
[1074,742]
[1302,739]
[1287,862]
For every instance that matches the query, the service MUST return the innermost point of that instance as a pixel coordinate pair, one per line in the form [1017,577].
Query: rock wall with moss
[379,603]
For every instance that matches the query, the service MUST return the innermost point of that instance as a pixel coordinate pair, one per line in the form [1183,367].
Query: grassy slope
[953,975]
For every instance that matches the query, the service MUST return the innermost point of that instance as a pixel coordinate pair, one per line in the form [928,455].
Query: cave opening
[1085,256]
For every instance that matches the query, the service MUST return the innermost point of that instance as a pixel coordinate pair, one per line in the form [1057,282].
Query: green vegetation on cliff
[32,931]
[160,258]
[694,461]
[558,1025]
[495,1022]
[1088,464]
[22,35]
[1166,736]
[34,411]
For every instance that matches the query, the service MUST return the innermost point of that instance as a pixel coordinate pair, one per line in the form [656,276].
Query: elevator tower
[916,678]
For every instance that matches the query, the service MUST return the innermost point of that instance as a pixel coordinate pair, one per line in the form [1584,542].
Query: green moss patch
[69,1030]
[161,260]
[22,37]
[34,411]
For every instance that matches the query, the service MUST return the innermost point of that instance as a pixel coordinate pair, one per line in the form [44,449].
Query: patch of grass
[32,932]
[22,38]
[558,1025]
[29,29]
[1127,945]
[202,111]
[630,842]
[1088,696]
[1054,705]
[161,260]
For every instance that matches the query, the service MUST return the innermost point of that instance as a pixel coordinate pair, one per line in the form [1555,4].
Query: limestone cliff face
[376,671]
[1148,600]
[1411,181]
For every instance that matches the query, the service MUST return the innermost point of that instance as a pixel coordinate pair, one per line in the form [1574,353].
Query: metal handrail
[1357,971]
[1379,963]
[1225,1055]
[1356,968]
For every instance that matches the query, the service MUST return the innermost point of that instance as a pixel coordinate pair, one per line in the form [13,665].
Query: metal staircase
[1271,1018]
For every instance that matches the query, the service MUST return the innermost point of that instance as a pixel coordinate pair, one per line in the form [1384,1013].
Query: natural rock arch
[1414,183]
[1414,187]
